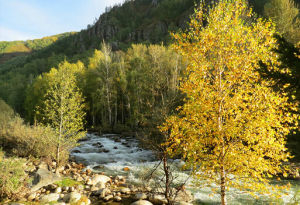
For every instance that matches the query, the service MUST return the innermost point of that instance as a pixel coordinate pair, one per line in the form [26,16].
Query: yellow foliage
[232,126]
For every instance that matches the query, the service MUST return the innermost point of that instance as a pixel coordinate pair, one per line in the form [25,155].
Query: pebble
[117,198]
[140,196]
[31,197]
[109,197]
[125,190]
[58,190]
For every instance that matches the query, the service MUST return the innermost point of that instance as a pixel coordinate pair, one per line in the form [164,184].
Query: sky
[32,19]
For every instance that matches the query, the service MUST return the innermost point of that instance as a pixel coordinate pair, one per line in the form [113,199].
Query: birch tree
[63,109]
[232,128]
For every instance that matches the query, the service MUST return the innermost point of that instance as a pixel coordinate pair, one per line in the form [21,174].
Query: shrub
[12,177]
[23,140]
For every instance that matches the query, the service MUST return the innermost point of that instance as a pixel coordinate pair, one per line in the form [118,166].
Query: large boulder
[142,202]
[43,177]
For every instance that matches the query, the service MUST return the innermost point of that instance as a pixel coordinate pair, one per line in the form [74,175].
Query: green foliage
[19,72]
[135,89]
[12,177]
[63,107]
[141,83]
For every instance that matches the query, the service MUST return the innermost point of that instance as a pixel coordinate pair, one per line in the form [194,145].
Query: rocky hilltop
[137,22]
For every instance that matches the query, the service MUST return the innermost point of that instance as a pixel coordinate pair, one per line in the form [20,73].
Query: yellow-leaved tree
[63,108]
[231,129]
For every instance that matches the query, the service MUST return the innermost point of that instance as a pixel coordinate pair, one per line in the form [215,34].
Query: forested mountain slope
[139,21]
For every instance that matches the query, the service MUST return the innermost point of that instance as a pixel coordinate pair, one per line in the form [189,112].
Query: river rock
[94,189]
[42,178]
[74,197]
[158,199]
[100,179]
[109,197]
[142,202]
[98,167]
[43,165]
[65,188]
[98,144]
[88,171]
[117,140]
[58,190]
[83,139]
[140,196]
[49,198]
[79,178]
[32,196]
[71,189]
[103,192]
[117,198]
[120,179]
[125,190]
[80,187]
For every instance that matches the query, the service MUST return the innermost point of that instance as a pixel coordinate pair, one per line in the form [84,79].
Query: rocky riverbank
[110,169]
[85,187]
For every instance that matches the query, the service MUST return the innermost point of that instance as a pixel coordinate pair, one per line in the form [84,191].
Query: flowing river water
[111,153]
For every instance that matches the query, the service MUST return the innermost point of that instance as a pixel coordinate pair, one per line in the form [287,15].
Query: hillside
[139,21]
[11,49]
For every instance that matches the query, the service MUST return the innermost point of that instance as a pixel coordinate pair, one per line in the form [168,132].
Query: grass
[68,182]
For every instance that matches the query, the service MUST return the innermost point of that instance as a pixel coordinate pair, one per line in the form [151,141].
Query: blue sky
[31,19]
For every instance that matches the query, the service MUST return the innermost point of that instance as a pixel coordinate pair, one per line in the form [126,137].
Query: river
[110,154]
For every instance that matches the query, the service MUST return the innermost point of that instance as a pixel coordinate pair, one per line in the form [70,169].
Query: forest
[193,79]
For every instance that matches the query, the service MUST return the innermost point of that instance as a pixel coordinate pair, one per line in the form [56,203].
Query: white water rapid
[111,153]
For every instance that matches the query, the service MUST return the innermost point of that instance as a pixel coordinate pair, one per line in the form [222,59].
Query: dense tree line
[128,89]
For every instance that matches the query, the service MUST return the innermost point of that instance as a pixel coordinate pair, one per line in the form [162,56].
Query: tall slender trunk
[220,125]
[116,112]
[167,175]
[223,186]
[108,105]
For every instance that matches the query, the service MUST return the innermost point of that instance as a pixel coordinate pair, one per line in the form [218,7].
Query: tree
[63,108]
[232,127]
[286,16]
